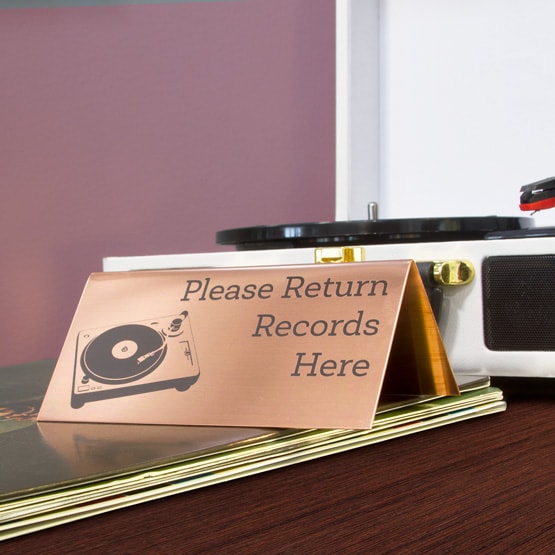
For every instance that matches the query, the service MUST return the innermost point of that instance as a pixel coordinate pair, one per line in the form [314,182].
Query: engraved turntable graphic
[133,358]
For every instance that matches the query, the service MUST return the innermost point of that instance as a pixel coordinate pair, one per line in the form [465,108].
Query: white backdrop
[445,107]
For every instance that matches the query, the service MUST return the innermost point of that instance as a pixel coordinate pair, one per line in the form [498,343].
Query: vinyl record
[368,232]
[123,354]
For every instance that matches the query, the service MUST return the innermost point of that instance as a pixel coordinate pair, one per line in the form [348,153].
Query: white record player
[490,280]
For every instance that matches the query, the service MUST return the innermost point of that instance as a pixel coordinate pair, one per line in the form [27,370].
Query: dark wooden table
[481,486]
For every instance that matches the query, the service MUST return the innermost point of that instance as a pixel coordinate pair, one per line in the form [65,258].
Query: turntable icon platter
[123,354]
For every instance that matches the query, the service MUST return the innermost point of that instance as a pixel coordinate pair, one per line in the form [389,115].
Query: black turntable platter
[368,232]
[123,354]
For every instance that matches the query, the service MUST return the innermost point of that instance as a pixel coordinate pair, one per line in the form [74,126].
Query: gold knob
[453,272]
[335,255]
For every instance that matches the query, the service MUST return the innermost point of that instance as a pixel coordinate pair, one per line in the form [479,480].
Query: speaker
[518,294]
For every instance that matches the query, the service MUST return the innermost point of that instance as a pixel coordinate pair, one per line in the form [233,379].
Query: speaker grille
[519,302]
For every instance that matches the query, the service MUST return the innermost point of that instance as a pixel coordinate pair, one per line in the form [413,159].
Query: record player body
[490,280]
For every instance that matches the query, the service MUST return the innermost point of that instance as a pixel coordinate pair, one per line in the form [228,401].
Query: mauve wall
[144,129]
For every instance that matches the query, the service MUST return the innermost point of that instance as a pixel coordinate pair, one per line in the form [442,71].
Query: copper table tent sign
[300,346]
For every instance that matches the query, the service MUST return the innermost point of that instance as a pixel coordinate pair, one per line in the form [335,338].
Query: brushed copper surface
[303,346]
